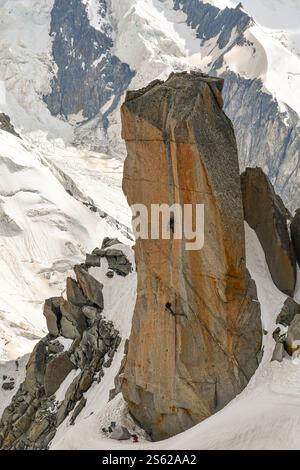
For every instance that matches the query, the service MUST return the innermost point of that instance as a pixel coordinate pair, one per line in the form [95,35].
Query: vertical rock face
[196,330]
[295,233]
[266,214]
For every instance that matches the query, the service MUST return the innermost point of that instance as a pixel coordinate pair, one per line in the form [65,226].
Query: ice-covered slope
[155,41]
[263,56]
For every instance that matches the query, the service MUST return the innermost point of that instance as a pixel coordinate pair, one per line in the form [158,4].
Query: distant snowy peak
[233,40]
[282,18]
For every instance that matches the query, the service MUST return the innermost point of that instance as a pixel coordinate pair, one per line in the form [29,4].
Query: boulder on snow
[279,352]
[289,310]
[108,242]
[293,336]
[93,261]
[265,213]
[8,385]
[120,433]
[278,336]
[89,312]
[118,262]
[295,234]
[86,381]
[91,288]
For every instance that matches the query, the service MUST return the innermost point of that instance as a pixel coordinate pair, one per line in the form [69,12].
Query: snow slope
[265,57]
[279,17]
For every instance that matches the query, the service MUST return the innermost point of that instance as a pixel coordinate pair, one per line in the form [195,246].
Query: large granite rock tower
[196,333]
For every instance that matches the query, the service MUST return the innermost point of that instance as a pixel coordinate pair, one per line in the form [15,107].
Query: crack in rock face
[180,369]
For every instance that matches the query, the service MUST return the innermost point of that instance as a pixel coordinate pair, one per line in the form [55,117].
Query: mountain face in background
[88,74]
[98,47]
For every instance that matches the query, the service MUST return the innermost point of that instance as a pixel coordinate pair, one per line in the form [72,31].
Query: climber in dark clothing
[168,308]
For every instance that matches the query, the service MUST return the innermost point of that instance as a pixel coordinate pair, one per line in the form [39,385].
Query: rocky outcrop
[295,233]
[293,336]
[53,315]
[80,339]
[266,136]
[289,310]
[117,261]
[196,331]
[91,288]
[211,22]
[279,352]
[6,125]
[287,334]
[265,213]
